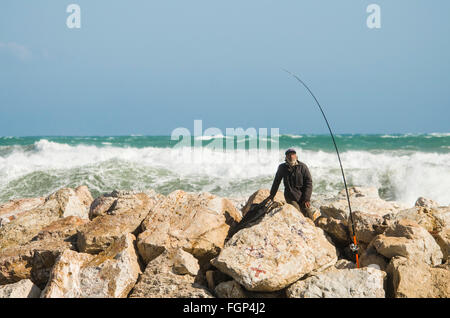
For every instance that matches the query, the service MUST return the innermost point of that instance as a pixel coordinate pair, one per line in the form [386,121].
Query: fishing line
[354,245]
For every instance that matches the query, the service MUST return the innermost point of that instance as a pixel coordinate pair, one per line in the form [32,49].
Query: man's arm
[307,185]
[276,182]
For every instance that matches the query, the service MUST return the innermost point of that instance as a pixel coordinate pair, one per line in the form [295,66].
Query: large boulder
[408,239]
[33,260]
[336,229]
[14,208]
[259,196]
[63,203]
[61,229]
[22,289]
[197,223]
[160,280]
[415,279]
[365,200]
[341,283]
[112,273]
[280,249]
[120,201]
[443,240]
[122,215]
[367,226]
[433,219]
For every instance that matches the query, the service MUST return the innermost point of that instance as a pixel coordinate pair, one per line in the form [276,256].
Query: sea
[402,166]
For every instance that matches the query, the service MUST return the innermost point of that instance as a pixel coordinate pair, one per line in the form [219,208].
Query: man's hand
[308,204]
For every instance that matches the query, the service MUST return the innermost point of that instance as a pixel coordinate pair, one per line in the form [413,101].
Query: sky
[148,67]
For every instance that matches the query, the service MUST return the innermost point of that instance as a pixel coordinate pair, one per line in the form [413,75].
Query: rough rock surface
[433,219]
[185,263]
[122,215]
[365,200]
[367,226]
[342,283]
[336,229]
[421,201]
[64,202]
[61,229]
[22,289]
[197,223]
[408,239]
[418,280]
[160,281]
[276,252]
[260,196]
[443,240]
[14,208]
[112,273]
[30,261]
[370,256]
[230,289]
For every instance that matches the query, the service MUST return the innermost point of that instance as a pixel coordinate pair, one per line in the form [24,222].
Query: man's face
[292,156]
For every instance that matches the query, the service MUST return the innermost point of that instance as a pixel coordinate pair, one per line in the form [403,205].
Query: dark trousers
[307,212]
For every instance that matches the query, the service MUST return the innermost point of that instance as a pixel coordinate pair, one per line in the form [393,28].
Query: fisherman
[297,183]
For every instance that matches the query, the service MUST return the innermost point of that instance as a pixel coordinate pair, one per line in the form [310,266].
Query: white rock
[343,283]
[22,289]
[276,252]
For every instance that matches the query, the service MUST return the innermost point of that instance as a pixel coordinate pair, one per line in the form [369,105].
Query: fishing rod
[354,245]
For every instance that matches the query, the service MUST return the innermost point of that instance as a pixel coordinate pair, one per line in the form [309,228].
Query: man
[297,183]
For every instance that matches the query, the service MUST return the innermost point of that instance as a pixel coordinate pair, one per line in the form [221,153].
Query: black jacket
[296,179]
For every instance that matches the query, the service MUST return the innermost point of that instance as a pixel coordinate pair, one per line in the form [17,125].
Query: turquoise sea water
[402,166]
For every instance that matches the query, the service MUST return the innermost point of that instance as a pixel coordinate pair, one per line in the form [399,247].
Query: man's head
[291,155]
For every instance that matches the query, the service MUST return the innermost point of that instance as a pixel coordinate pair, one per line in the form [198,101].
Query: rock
[22,289]
[14,208]
[341,283]
[30,261]
[120,201]
[367,226]
[72,202]
[414,279]
[185,263]
[64,202]
[408,239]
[357,192]
[344,264]
[260,196]
[361,199]
[61,229]
[110,274]
[124,216]
[443,240]
[230,289]
[432,219]
[424,202]
[336,229]
[276,252]
[197,223]
[160,281]
[370,257]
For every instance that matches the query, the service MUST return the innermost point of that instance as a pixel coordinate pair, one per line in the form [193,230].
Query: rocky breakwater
[145,244]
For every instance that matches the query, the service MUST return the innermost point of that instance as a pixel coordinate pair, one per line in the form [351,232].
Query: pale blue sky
[147,67]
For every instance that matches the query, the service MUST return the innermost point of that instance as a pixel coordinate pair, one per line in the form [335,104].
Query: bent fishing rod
[354,245]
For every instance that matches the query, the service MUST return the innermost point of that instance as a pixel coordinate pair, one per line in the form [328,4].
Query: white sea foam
[407,174]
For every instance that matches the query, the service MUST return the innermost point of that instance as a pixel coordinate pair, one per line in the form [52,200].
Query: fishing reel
[354,248]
